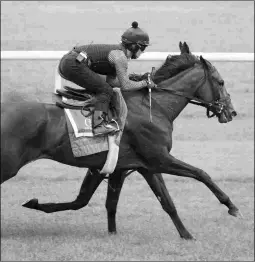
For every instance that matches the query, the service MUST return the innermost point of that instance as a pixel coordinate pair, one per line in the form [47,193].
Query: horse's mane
[172,66]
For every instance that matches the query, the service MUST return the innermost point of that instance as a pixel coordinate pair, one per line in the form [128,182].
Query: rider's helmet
[135,36]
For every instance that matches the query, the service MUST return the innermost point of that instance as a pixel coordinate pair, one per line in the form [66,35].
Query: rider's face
[135,55]
[138,53]
[129,54]
[132,55]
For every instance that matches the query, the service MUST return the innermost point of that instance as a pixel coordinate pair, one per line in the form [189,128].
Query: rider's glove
[151,84]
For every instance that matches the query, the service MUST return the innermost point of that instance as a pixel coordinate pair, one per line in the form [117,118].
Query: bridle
[216,107]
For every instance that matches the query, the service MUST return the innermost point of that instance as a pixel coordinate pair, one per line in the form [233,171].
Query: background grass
[226,152]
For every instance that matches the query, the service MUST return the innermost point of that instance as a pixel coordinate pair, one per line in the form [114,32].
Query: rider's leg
[83,76]
[101,123]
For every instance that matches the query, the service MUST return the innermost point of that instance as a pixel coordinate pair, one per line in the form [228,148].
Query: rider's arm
[118,59]
[113,81]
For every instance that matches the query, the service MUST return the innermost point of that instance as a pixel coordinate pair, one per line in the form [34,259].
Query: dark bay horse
[32,131]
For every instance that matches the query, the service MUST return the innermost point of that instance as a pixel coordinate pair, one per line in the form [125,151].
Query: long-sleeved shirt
[110,60]
[119,60]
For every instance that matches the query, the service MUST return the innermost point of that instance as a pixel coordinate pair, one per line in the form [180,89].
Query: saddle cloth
[82,126]
[82,141]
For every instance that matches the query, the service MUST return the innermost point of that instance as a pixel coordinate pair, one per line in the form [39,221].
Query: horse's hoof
[33,203]
[235,212]
[188,237]
[112,233]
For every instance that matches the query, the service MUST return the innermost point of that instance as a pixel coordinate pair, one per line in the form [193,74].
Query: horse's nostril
[234,113]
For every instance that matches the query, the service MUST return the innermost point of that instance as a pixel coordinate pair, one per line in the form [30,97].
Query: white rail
[148,56]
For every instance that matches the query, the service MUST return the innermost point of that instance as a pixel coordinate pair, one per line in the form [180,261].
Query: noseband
[216,107]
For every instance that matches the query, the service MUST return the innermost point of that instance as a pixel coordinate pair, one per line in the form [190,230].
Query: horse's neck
[165,104]
[185,82]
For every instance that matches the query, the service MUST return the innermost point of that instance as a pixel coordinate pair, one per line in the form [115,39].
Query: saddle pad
[87,145]
[82,126]
[83,146]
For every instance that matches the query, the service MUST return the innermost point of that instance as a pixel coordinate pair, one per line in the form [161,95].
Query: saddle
[71,98]
[77,99]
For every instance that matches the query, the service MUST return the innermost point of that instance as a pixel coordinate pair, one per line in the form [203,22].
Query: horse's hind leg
[157,184]
[115,184]
[90,183]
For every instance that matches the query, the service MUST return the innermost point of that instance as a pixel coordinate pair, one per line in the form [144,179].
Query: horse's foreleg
[157,184]
[179,168]
[90,183]
[115,184]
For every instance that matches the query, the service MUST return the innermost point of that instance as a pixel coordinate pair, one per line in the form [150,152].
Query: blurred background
[207,26]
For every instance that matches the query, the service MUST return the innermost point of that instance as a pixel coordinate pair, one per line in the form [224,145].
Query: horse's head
[213,91]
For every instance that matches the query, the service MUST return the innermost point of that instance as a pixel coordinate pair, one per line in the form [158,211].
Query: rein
[216,107]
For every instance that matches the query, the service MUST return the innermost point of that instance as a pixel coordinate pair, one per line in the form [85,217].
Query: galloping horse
[32,130]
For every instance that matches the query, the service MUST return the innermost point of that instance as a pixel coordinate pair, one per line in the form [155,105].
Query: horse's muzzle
[227,116]
[223,119]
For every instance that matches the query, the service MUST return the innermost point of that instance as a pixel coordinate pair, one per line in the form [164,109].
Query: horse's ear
[180,45]
[186,47]
[201,59]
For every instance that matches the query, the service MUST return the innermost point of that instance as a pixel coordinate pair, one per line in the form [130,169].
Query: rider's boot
[101,126]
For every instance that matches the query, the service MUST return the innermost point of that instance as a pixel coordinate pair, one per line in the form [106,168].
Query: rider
[83,64]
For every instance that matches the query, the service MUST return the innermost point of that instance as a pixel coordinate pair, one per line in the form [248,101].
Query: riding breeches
[82,75]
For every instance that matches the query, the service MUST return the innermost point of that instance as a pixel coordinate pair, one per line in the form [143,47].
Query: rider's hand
[151,84]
